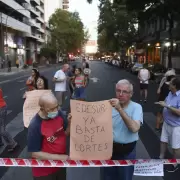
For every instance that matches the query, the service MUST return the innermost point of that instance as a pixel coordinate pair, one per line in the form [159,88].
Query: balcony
[65,1]
[17,7]
[42,1]
[35,24]
[24,1]
[41,30]
[40,9]
[40,19]
[15,24]
[66,7]
[35,2]
[33,10]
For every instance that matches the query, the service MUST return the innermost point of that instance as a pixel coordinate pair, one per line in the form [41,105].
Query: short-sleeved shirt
[121,134]
[172,100]
[39,134]
[144,75]
[60,86]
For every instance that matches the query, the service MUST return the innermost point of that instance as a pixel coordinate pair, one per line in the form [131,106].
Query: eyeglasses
[122,92]
[54,108]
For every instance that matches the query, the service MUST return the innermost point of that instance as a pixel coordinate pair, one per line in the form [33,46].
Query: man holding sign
[47,137]
[127,117]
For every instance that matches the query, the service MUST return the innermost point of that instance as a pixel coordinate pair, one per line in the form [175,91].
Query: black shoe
[171,168]
[145,101]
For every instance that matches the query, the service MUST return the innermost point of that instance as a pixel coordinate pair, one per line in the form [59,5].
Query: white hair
[126,82]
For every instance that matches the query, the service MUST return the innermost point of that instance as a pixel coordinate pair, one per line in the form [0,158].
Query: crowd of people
[49,128]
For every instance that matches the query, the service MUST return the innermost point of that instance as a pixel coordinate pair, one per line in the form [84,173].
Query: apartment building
[22,30]
[154,43]
[65,5]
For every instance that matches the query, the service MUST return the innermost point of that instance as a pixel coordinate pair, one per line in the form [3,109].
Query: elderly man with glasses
[127,118]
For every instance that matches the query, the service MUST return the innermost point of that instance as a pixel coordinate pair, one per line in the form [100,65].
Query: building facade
[65,5]
[22,30]
[154,42]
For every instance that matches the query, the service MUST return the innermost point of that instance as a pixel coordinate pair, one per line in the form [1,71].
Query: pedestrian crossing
[15,127]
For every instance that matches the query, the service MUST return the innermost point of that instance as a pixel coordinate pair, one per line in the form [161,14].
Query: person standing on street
[127,118]
[32,80]
[163,93]
[47,138]
[171,126]
[3,133]
[60,81]
[79,83]
[144,76]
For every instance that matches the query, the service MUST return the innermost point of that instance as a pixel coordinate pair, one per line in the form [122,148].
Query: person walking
[127,118]
[60,81]
[171,127]
[3,133]
[144,76]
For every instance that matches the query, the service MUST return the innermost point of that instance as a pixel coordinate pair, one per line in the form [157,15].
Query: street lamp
[25,9]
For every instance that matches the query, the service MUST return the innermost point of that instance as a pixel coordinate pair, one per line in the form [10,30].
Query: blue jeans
[122,172]
[79,93]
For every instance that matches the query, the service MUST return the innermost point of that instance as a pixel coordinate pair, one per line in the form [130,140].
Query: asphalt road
[101,87]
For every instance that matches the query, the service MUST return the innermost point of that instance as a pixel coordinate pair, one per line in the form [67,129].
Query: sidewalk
[15,70]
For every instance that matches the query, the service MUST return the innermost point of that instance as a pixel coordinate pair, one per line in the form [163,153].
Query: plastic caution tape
[11,162]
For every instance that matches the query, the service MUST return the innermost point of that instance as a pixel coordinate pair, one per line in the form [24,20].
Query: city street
[101,87]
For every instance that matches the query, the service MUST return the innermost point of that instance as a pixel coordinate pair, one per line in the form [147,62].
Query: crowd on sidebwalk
[47,132]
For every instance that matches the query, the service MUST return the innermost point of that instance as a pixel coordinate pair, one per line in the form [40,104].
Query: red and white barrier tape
[82,163]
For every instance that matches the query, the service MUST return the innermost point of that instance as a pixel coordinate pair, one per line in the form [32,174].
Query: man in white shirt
[60,83]
[144,76]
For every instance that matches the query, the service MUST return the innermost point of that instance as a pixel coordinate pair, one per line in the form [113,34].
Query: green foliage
[116,27]
[67,31]
[48,51]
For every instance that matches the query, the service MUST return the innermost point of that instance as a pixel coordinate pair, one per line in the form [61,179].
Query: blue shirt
[121,134]
[172,100]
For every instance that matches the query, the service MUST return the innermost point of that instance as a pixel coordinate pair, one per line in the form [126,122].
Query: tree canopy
[116,27]
[68,34]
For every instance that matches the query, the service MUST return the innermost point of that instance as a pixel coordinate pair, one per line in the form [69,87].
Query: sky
[89,14]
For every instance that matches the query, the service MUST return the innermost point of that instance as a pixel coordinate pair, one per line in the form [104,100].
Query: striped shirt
[79,81]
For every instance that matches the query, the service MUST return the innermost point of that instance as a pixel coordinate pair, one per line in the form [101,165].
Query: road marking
[21,81]
[22,88]
[94,79]
[4,97]
[9,112]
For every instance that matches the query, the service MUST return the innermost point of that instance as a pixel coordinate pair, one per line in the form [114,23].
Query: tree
[67,31]
[164,9]
[116,27]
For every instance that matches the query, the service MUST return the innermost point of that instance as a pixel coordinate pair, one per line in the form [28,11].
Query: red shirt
[40,132]
[2,101]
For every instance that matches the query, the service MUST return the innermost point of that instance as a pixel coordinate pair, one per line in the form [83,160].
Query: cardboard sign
[91,136]
[31,105]
[150,168]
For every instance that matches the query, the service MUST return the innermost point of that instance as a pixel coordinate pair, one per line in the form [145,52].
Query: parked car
[135,69]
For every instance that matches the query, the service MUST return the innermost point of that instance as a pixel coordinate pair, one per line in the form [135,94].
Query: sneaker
[171,168]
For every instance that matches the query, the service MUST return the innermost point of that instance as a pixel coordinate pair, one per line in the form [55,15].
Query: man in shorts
[144,76]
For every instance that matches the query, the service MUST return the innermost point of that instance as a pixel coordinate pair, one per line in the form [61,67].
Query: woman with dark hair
[79,84]
[31,82]
[163,93]
[41,83]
